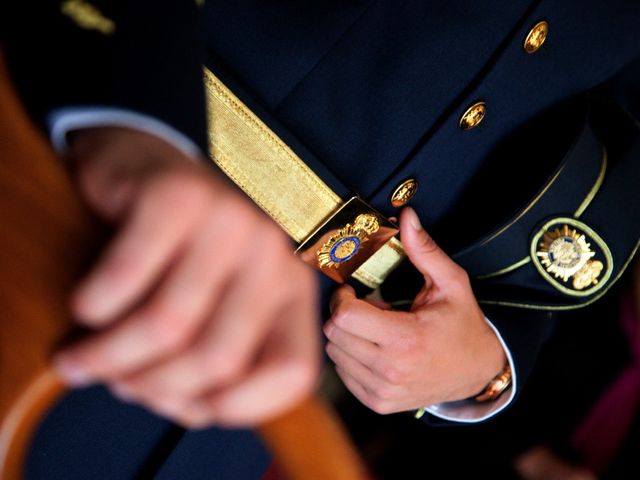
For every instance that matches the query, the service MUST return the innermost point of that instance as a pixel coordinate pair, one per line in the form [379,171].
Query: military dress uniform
[510,127]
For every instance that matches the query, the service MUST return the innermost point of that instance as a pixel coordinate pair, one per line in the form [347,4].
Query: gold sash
[276,179]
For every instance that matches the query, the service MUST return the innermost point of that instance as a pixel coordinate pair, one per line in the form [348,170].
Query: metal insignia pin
[588,275]
[565,252]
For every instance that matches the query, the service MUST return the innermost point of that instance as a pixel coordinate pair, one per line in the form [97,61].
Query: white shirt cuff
[470,411]
[64,120]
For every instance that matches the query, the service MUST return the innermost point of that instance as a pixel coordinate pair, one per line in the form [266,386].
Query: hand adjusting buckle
[347,239]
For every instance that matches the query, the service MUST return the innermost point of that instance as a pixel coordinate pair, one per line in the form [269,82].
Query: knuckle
[460,278]
[405,344]
[393,374]
[382,392]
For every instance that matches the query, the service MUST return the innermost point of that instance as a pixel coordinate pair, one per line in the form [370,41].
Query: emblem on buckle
[347,239]
[345,244]
[571,257]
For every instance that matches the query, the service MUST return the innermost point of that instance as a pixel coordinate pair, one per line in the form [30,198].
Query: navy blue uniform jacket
[370,93]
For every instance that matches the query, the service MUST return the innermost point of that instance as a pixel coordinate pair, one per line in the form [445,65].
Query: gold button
[473,116]
[403,192]
[536,37]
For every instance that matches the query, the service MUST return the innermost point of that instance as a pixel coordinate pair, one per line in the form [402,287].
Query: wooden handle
[310,443]
[48,239]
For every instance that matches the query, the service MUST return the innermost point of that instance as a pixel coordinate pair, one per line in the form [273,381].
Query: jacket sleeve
[140,55]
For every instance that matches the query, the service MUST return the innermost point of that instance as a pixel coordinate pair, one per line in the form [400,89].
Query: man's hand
[200,309]
[442,350]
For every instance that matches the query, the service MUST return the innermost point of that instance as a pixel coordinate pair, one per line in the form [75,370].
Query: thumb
[422,250]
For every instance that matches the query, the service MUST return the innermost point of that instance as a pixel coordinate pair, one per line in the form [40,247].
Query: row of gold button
[473,115]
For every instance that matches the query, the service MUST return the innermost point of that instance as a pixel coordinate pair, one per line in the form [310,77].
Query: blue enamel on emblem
[345,249]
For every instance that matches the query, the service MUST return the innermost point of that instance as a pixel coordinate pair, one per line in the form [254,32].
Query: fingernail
[122,392]
[71,373]
[414,221]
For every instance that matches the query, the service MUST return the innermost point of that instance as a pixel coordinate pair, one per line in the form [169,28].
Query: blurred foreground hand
[201,311]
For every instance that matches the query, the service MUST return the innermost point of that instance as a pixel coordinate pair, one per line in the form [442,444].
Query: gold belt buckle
[350,236]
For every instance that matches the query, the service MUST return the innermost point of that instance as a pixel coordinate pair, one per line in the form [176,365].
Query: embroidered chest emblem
[564,252]
[571,256]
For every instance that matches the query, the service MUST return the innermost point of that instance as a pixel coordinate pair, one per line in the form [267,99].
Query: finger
[133,343]
[362,350]
[243,318]
[134,260]
[162,326]
[284,374]
[183,411]
[346,293]
[272,388]
[353,367]
[356,388]
[209,363]
[422,250]
[362,319]
[382,401]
